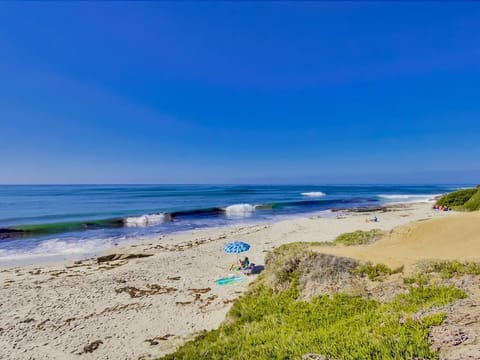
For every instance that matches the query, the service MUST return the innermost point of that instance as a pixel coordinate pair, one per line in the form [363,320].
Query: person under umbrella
[237,247]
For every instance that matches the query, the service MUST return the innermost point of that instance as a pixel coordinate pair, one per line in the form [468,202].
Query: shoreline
[62,259]
[143,307]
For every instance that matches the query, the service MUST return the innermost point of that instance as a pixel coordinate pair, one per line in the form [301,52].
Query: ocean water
[72,221]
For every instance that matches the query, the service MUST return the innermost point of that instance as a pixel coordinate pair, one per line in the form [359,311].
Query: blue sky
[239,92]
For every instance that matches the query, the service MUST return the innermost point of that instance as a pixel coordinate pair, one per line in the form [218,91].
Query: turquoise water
[76,220]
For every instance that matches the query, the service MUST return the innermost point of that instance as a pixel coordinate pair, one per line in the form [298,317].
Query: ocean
[39,222]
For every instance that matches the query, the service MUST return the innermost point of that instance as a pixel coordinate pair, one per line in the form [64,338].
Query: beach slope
[451,238]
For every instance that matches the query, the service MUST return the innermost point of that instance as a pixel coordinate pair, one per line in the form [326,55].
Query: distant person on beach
[242,264]
[441,208]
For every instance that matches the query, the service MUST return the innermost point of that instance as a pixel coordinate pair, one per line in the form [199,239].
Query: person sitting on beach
[248,267]
[242,264]
[245,263]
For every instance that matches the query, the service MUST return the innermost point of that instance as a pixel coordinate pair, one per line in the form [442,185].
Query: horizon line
[238,184]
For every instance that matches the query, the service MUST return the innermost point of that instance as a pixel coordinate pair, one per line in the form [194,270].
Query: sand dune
[450,238]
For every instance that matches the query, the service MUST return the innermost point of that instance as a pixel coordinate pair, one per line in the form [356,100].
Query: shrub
[420,279]
[375,272]
[449,269]
[358,237]
[298,261]
[456,198]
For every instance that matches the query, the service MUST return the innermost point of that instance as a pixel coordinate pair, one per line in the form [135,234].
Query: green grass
[425,297]
[375,272]
[450,269]
[457,199]
[420,279]
[266,324]
[358,237]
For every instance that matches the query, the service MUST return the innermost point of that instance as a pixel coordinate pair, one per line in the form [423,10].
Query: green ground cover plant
[268,323]
[358,237]
[450,269]
[375,272]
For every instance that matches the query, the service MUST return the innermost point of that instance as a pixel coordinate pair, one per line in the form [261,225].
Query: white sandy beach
[142,308]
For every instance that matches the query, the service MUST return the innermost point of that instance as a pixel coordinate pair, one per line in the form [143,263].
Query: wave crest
[313,194]
[239,210]
[145,220]
[409,197]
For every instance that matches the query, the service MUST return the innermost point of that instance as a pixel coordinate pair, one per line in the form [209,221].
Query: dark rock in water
[113,257]
[6,233]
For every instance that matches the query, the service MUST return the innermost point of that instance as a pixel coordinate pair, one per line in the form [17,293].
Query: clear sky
[239,92]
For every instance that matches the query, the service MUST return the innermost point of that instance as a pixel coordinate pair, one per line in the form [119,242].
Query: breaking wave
[409,197]
[313,194]
[146,220]
[239,210]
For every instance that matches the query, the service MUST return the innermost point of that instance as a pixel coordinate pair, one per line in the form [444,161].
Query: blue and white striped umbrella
[236,247]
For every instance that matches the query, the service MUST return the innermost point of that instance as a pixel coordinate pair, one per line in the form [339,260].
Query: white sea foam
[239,210]
[55,248]
[313,194]
[409,197]
[328,213]
[145,220]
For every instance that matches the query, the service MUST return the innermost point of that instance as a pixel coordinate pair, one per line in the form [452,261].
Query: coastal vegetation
[464,199]
[376,271]
[474,202]
[450,269]
[358,237]
[280,318]
[268,325]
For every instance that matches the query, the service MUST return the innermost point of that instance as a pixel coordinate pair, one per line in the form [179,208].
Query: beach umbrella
[236,247]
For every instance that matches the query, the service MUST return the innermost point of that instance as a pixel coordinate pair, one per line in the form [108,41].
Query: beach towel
[228,280]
